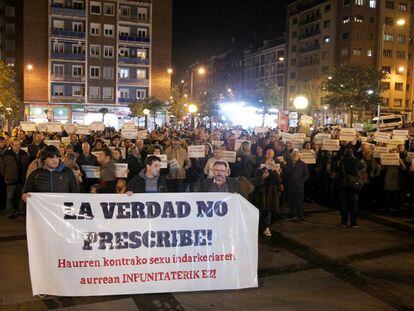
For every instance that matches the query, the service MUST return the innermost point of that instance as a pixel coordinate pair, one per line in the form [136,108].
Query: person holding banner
[53,176]
[220,182]
[149,180]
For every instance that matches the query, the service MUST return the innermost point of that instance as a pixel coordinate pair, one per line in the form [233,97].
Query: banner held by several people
[108,244]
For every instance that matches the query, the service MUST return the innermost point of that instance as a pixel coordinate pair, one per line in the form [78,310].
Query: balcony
[309,34]
[134,60]
[67,99]
[67,78]
[68,11]
[310,20]
[135,81]
[67,33]
[133,39]
[310,48]
[70,56]
[126,100]
[134,18]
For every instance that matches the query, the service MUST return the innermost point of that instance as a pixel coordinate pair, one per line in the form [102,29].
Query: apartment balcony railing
[309,34]
[67,33]
[133,60]
[133,39]
[310,20]
[68,78]
[70,56]
[310,48]
[135,18]
[126,100]
[68,11]
[133,80]
[68,99]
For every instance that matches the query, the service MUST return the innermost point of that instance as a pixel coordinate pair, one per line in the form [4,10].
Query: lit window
[357,51]
[326,39]
[346,20]
[388,37]
[124,73]
[402,7]
[359,2]
[77,90]
[358,19]
[141,74]
[373,4]
[369,53]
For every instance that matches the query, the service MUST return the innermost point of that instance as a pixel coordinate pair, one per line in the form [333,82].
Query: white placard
[164,160]
[128,125]
[174,165]
[25,149]
[52,142]
[401,138]
[97,153]
[299,135]
[239,142]
[363,139]
[107,142]
[42,127]
[129,133]
[297,143]
[82,130]
[91,171]
[196,151]
[382,137]
[359,127]
[306,119]
[348,131]
[121,170]
[54,127]
[97,126]
[380,150]
[395,142]
[308,157]
[286,137]
[330,145]
[217,143]
[65,140]
[319,138]
[28,126]
[115,244]
[347,137]
[143,134]
[390,159]
[69,128]
[258,129]
[229,156]
[403,133]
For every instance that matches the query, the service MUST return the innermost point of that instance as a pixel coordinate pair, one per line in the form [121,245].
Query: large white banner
[111,244]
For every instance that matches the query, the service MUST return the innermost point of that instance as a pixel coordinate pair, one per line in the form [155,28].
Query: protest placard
[217,143]
[359,127]
[319,138]
[174,165]
[395,142]
[299,135]
[347,134]
[229,156]
[91,171]
[380,150]
[121,170]
[286,137]
[142,134]
[308,157]
[129,133]
[97,153]
[128,125]
[382,137]
[259,129]
[403,133]
[65,140]
[52,142]
[54,127]
[69,128]
[297,143]
[28,126]
[196,151]
[390,159]
[25,149]
[330,145]
[306,119]
[97,126]
[82,130]
[42,127]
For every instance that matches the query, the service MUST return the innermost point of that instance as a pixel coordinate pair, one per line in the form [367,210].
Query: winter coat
[14,167]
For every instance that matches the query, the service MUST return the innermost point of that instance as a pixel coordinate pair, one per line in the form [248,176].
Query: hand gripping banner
[112,244]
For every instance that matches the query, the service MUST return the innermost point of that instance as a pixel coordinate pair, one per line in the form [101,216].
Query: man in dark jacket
[13,166]
[295,175]
[53,176]
[36,145]
[135,162]
[86,158]
[149,179]
[220,181]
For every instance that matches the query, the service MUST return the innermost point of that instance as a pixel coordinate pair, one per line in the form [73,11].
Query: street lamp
[300,102]
[30,67]
[170,71]
[201,71]
[146,113]
[192,109]
[401,69]
[400,22]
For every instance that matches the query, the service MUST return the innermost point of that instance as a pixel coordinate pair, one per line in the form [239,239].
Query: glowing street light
[201,71]
[370,92]
[300,102]
[281,59]
[30,67]
[146,113]
[400,22]
[170,71]
[192,109]
[401,69]
[229,90]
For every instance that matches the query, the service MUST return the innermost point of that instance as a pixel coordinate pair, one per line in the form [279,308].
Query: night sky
[202,28]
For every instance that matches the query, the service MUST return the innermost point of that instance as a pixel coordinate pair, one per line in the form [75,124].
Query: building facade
[323,34]
[89,57]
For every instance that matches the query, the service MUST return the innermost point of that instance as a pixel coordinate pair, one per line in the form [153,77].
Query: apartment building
[87,57]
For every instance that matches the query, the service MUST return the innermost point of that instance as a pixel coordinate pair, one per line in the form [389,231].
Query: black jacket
[61,180]
[135,165]
[33,149]
[233,183]
[137,184]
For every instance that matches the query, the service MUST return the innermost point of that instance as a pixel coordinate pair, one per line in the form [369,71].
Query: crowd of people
[267,169]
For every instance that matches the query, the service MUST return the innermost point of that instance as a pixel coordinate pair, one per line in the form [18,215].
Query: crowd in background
[267,169]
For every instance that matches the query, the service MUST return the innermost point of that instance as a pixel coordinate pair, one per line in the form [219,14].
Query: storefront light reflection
[240,113]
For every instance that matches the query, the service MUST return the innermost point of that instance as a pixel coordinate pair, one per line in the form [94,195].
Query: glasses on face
[219,171]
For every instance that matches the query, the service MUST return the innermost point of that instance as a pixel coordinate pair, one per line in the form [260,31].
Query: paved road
[312,266]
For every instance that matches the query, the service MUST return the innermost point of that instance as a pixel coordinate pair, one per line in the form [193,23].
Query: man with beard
[220,182]
[149,179]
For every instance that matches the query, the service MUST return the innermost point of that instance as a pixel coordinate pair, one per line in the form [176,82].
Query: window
[142,33]
[95,8]
[401,39]
[399,86]
[141,94]
[77,71]
[58,3]
[77,90]
[77,49]
[142,54]
[359,35]
[123,51]
[346,2]
[141,74]
[359,2]
[77,26]
[346,20]
[386,69]
[108,52]
[58,70]
[94,72]
[124,31]
[369,53]
[10,29]
[107,93]
[124,73]
[358,19]
[400,54]
[10,45]
[95,29]
[109,9]
[326,24]
[389,5]
[388,37]
[58,90]
[397,102]
[78,4]
[373,4]
[10,61]
[327,8]
[108,73]
[325,55]
[402,7]
[58,47]
[94,92]
[389,21]
[293,75]
[124,93]
[125,11]
[357,51]
[344,35]
[108,30]
[58,24]
[142,14]
[10,11]
[370,36]
[385,85]
[95,50]
[387,53]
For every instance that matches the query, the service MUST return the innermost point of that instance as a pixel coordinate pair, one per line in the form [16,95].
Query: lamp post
[146,113]
[201,71]
[301,102]
[192,109]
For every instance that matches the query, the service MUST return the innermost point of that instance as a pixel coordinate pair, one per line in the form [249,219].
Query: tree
[153,104]
[267,98]
[178,101]
[10,104]
[208,106]
[354,87]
